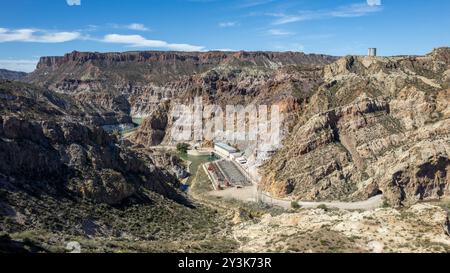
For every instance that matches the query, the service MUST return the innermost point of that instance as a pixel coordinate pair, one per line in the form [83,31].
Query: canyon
[376,125]
[11,75]
[354,127]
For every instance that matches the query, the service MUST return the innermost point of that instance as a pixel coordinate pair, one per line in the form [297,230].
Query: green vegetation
[320,241]
[195,162]
[117,134]
[155,225]
[323,206]
[295,205]
[445,204]
[182,148]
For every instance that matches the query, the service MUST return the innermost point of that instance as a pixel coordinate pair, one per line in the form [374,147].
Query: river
[124,128]
[195,162]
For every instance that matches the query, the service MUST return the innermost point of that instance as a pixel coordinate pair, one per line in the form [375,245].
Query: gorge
[354,127]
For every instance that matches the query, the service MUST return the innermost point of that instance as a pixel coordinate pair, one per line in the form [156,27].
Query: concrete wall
[221,151]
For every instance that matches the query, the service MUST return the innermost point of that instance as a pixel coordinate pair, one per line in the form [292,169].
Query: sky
[30,29]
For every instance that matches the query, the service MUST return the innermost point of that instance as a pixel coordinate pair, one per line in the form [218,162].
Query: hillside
[154,66]
[376,125]
[11,75]
[354,127]
[63,178]
[146,78]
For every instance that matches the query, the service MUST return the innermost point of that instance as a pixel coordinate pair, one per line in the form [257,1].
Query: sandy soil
[249,194]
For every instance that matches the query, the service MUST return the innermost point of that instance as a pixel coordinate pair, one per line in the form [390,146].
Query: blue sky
[33,28]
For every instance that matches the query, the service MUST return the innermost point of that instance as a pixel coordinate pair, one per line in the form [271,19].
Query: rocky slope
[63,179]
[55,154]
[111,110]
[41,141]
[11,75]
[418,229]
[151,66]
[354,128]
[153,129]
[287,87]
[376,125]
[146,78]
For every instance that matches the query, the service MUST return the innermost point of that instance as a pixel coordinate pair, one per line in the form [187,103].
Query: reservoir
[196,161]
[124,128]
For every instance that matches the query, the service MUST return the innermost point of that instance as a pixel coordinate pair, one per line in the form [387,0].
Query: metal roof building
[224,149]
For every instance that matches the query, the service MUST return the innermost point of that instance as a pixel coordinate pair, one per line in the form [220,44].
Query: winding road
[249,194]
[369,204]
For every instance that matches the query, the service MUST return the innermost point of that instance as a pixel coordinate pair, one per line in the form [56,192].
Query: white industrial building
[236,155]
[224,150]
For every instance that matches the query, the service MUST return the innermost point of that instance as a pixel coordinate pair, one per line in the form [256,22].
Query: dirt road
[249,194]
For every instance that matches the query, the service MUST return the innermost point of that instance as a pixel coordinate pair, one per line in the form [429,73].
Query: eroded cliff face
[109,110]
[288,87]
[146,78]
[45,147]
[377,125]
[87,90]
[355,128]
[154,128]
[63,178]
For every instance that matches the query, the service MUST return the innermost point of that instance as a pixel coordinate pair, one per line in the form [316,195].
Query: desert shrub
[116,133]
[295,205]
[182,148]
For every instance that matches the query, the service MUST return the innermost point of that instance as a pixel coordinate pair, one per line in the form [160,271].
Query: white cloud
[279,32]
[58,37]
[228,24]
[36,36]
[374,2]
[139,41]
[354,10]
[137,26]
[73,2]
[254,3]
[19,65]
[44,36]
[133,26]
[286,18]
